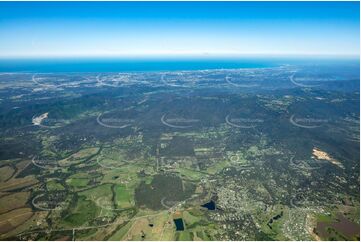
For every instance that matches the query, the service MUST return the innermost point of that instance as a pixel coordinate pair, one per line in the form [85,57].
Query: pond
[210,205]
[179,224]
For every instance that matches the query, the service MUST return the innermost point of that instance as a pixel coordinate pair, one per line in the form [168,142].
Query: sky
[46,29]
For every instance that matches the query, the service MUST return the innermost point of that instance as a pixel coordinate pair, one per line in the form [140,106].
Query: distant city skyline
[67,29]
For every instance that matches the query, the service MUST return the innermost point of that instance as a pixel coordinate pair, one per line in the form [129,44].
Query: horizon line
[179,55]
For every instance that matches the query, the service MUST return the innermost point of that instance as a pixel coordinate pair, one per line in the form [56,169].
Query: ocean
[50,65]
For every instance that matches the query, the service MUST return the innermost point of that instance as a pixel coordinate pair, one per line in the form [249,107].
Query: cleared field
[163,190]
[126,174]
[22,164]
[120,233]
[13,201]
[77,182]
[147,228]
[18,183]
[37,221]
[337,227]
[102,196]
[101,191]
[217,167]
[191,174]
[79,156]
[5,173]
[184,236]
[14,218]
[190,219]
[54,185]
[123,196]
[83,213]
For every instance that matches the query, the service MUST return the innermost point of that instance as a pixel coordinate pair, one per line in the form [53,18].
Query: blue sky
[178,28]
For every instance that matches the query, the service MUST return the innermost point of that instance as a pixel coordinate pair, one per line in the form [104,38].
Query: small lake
[210,205]
[179,224]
